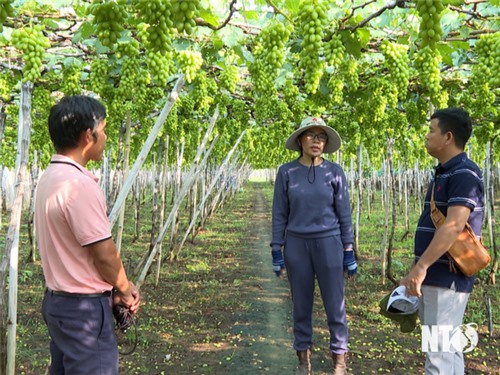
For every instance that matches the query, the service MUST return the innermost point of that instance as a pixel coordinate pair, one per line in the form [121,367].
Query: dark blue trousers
[82,335]
[306,260]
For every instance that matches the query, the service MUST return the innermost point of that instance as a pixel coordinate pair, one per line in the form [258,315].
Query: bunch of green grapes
[186,105]
[190,63]
[488,52]
[184,13]
[397,124]
[397,63]
[222,100]
[229,78]
[143,79]
[390,92]
[98,78]
[6,10]
[129,49]
[319,101]
[334,51]
[41,103]
[292,98]
[312,19]
[157,14]
[441,99]
[7,83]
[349,70]
[427,63]
[129,52]
[201,96]
[336,86]
[240,111]
[273,39]
[161,66]
[269,55]
[430,31]
[128,75]
[109,18]
[479,98]
[416,111]
[142,34]
[378,100]
[70,84]
[290,92]
[172,120]
[142,104]
[263,82]
[32,42]
[265,108]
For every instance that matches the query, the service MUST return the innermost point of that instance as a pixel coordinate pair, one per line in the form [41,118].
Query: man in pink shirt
[80,261]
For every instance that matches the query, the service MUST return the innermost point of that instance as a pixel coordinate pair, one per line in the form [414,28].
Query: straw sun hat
[333,143]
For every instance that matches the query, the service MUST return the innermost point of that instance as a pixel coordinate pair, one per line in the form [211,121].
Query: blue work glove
[278,262]
[350,265]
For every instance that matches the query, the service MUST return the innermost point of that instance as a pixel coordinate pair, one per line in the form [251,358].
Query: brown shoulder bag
[467,253]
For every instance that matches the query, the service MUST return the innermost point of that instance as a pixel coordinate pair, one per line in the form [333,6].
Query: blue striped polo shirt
[459,182]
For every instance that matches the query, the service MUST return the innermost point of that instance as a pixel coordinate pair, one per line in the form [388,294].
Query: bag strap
[437,216]
[438,219]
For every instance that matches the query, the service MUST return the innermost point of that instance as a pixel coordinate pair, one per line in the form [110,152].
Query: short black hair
[72,116]
[457,121]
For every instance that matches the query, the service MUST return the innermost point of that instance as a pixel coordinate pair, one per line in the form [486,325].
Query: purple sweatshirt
[311,210]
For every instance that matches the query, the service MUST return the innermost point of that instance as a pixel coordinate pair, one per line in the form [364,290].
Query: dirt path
[266,326]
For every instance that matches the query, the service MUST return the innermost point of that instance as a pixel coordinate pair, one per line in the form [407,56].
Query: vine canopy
[373,69]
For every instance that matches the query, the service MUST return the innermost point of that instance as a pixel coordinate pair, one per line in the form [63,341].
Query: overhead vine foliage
[373,69]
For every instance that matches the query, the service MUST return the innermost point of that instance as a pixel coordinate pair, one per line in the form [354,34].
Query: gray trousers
[321,258]
[443,307]
[82,335]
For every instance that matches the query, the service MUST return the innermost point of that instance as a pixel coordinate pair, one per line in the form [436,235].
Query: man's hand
[278,261]
[350,265]
[413,281]
[131,300]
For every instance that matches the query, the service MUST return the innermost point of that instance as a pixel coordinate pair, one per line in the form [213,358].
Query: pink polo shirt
[70,213]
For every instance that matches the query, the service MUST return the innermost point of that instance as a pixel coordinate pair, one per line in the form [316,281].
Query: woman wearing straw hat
[311,221]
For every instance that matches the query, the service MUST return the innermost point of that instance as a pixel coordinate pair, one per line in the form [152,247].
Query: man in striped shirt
[459,194]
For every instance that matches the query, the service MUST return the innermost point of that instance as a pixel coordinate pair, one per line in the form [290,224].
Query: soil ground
[219,309]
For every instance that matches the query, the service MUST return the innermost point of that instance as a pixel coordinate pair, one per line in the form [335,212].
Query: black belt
[78,295]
